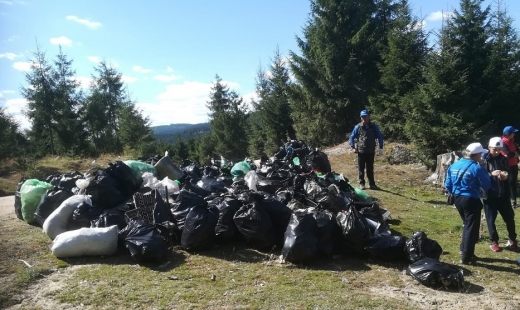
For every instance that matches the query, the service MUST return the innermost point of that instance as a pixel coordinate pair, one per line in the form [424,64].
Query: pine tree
[401,72]
[337,70]
[503,71]
[68,99]
[272,121]
[12,141]
[41,105]
[228,121]
[102,107]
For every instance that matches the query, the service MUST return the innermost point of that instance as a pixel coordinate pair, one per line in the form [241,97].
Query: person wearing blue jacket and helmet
[465,179]
[365,134]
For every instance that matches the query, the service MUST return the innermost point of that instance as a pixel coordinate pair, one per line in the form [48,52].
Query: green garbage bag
[139,167]
[31,194]
[240,169]
[362,195]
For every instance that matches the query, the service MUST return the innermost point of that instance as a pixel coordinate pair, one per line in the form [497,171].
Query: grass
[247,279]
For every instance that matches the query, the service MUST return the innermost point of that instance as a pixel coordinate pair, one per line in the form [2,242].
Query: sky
[168,51]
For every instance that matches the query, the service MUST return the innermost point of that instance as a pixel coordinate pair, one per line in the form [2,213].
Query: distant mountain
[169,133]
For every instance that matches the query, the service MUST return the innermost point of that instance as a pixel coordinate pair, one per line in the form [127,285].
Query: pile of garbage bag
[293,202]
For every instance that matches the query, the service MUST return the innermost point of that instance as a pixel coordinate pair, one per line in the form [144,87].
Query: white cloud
[86,22]
[439,15]
[128,79]
[61,41]
[15,107]
[420,25]
[165,78]
[7,91]
[22,66]
[169,69]
[181,103]
[94,59]
[141,69]
[11,38]
[6,2]
[10,56]
[84,82]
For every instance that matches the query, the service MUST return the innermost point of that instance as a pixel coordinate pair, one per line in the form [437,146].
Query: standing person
[497,200]
[511,152]
[464,180]
[366,133]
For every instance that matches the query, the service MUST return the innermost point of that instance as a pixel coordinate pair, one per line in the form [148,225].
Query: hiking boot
[512,245]
[374,187]
[469,261]
[361,186]
[494,247]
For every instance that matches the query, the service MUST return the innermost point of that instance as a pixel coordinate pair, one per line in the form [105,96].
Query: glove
[380,151]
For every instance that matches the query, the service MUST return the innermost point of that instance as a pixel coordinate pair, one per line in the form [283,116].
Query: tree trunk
[443,162]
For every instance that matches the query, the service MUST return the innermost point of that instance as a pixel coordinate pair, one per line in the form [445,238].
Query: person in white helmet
[497,199]
[464,179]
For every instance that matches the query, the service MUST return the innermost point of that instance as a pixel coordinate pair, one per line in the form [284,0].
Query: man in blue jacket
[465,179]
[365,134]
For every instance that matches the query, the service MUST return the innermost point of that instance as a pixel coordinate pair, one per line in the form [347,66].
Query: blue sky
[168,51]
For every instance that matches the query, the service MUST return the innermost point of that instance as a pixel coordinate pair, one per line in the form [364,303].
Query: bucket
[166,168]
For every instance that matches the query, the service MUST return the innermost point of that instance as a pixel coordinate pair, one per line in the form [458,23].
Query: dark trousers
[366,160]
[513,177]
[502,205]
[469,210]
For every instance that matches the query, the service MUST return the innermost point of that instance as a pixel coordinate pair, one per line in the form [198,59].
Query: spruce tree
[403,61]
[272,121]
[228,121]
[337,69]
[42,107]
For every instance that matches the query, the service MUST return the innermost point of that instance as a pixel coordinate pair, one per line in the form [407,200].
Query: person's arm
[353,135]
[448,183]
[483,178]
[379,136]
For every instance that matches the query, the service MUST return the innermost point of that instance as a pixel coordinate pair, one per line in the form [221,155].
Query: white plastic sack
[58,221]
[86,241]
[152,182]
[251,179]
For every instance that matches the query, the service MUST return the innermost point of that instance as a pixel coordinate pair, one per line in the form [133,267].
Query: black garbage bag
[318,161]
[435,274]
[331,199]
[191,185]
[354,228]
[211,185]
[84,214]
[419,246]
[104,193]
[110,217]
[280,216]
[327,227]
[67,180]
[191,169]
[127,182]
[143,241]
[225,230]
[389,248]
[284,195]
[301,237]
[51,200]
[199,228]
[271,186]
[239,187]
[182,205]
[280,154]
[18,200]
[253,222]
[210,171]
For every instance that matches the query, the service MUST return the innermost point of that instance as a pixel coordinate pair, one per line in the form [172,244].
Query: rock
[401,155]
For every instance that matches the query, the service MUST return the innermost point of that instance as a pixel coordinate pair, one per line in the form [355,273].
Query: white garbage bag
[86,242]
[59,219]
